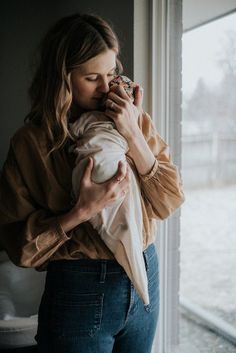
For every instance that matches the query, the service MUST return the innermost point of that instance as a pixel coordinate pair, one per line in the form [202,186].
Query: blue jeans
[90,306]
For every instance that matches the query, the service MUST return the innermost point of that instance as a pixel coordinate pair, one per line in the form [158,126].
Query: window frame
[158,68]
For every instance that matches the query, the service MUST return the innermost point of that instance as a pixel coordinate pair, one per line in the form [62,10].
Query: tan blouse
[35,189]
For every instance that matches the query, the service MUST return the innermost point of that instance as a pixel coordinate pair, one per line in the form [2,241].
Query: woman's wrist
[135,136]
[141,154]
[73,218]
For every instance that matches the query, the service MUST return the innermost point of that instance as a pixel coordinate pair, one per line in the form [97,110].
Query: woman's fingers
[119,96]
[118,92]
[115,105]
[121,179]
[95,197]
[121,172]
[88,171]
[138,96]
[119,100]
[125,181]
[112,106]
[124,184]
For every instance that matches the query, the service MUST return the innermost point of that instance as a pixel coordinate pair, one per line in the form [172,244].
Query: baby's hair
[125,82]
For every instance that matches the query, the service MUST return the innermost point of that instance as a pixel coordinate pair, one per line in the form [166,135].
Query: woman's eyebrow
[97,73]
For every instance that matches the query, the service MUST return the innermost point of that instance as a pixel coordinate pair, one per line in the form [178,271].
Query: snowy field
[208,250]
[208,264]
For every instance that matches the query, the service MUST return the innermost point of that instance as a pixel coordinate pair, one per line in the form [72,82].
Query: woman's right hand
[94,197]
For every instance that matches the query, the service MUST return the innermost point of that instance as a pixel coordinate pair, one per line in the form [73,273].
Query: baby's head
[125,82]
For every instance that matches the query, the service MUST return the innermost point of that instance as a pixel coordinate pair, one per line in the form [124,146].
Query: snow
[208,248]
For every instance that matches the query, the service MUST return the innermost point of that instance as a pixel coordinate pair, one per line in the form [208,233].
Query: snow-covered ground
[208,249]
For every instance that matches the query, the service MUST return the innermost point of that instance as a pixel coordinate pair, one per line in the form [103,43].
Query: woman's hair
[70,42]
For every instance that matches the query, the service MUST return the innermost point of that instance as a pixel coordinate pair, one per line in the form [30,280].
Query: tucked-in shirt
[35,188]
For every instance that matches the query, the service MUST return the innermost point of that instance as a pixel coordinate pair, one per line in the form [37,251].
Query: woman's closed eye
[92,78]
[95,78]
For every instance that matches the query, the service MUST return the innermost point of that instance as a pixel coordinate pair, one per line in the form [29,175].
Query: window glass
[208,218]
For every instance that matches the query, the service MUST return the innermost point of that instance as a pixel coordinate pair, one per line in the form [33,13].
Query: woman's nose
[104,85]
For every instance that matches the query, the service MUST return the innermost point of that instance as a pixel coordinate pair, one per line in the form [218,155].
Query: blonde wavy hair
[70,42]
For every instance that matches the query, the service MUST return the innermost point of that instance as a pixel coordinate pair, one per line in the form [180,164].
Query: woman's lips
[98,97]
[101,100]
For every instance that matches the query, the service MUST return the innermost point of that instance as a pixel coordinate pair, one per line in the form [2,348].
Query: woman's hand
[125,115]
[94,197]
[124,112]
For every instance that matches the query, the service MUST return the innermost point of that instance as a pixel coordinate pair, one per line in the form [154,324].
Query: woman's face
[90,81]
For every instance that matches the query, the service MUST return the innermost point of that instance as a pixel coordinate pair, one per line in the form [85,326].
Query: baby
[119,225]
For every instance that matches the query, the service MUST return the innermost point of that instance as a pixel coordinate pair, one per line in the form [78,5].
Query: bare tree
[217,104]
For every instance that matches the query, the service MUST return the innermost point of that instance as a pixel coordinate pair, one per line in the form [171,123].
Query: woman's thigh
[138,333]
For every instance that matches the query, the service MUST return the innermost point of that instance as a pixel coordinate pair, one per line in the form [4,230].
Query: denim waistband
[97,265]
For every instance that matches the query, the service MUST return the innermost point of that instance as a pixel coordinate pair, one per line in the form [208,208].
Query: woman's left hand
[124,112]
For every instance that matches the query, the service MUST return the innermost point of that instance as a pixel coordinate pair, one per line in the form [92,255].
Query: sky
[201,47]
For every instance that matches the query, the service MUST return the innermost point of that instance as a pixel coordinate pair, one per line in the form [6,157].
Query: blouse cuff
[56,237]
[61,234]
[150,174]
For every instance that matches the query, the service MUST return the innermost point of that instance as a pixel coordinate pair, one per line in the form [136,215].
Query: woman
[89,303]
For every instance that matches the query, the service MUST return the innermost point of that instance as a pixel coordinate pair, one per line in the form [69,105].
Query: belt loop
[103,272]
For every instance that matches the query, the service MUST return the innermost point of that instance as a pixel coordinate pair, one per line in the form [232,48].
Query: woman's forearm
[71,219]
[141,154]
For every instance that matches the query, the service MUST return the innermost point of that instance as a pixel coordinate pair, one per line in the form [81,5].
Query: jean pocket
[77,314]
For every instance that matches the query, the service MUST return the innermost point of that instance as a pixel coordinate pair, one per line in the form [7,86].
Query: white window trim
[158,67]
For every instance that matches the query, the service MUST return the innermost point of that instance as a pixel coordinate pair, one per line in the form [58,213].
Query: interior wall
[23,23]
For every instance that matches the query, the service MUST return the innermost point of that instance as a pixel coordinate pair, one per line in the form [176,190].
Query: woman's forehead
[103,62]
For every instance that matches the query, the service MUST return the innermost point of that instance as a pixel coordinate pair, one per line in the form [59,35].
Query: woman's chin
[98,105]
[93,105]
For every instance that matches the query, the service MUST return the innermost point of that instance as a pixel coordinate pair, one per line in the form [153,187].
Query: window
[208,222]
[157,66]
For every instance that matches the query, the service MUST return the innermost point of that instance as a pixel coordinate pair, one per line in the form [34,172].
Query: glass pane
[208,220]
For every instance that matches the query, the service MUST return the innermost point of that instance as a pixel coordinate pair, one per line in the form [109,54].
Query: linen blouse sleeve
[29,234]
[161,188]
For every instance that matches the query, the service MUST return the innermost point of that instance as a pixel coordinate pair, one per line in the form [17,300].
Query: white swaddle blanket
[119,225]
